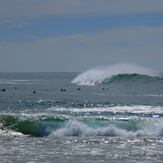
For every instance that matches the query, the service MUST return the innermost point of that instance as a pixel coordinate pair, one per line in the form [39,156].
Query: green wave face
[34,127]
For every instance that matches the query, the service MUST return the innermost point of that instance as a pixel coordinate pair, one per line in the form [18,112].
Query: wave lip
[99,74]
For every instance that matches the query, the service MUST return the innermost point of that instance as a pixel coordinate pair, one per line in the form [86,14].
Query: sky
[75,35]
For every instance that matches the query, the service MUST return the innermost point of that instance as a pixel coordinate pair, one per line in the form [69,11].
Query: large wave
[99,74]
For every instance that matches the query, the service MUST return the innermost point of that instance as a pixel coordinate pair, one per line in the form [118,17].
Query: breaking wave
[107,74]
[60,126]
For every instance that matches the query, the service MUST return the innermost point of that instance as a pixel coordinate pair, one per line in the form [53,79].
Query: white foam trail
[10,133]
[135,109]
[13,82]
[97,75]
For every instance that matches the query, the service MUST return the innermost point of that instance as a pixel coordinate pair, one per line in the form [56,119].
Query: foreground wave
[108,74]
[61,126]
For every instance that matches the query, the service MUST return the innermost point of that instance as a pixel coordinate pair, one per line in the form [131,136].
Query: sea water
[67,117]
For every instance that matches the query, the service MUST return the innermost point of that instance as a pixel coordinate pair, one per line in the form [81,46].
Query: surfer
[3,90]
[63,90]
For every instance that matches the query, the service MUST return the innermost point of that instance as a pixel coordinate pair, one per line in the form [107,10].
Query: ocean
[93,117]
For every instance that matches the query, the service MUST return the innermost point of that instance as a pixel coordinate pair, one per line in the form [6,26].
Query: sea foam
[76,128]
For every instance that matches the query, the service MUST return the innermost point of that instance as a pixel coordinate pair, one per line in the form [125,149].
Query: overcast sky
[74,35]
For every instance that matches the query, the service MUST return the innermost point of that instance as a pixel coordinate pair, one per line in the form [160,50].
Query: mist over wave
[99,74]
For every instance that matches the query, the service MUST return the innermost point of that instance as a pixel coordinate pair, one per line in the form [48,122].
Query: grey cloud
[21,9]
[142,45]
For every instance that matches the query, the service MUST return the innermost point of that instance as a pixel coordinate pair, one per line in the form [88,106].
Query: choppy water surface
[46,118]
